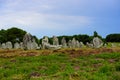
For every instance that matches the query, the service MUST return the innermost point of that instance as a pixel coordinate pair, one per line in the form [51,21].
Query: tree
[113,38]
[15,34]
[83,38]
[3,36]
[95,34]
[36,39]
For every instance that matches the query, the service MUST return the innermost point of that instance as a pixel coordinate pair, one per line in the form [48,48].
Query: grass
[59,65]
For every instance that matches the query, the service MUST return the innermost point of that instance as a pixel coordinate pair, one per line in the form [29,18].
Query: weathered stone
[63,42]
[27,39]
[21,45]
[73,43]
[29,45]
[45,39]
[3,46]
[45,42]
[77,44]
[70,44]
[55,40]
[46,45]
[34,45]
[16,45]
[9,45]
[39,47]
[97,42]
[29,42]
[89,45]
[81,44]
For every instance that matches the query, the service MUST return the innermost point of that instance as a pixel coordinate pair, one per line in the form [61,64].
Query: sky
[61,17]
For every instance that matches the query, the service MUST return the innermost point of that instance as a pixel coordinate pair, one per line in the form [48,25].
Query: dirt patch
[97,65]
[34,75]
[99,59]
[13,60]
[76,68]
[112,60]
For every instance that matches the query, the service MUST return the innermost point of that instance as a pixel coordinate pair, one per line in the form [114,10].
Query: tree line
[12,34]
[15,34]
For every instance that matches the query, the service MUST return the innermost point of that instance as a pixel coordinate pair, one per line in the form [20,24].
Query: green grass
[59,66]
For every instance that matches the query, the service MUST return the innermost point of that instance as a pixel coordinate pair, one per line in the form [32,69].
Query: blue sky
[61,17]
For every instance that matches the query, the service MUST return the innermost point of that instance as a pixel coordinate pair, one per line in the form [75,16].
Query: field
[62,64]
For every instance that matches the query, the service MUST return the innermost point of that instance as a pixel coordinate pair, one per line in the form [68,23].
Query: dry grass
[71,52]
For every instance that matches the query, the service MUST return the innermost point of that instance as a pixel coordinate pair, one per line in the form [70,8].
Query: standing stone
[81,44]
[34,45]
[55,40]
[63,42]
[27,39]
[29,45]
[21,45]
[9,45]
[45,39]
[46,45]
[73,43]
[97,42]
[70,44]
[3,46]
[29,42]
[16,45]
[45,42]
[77,44]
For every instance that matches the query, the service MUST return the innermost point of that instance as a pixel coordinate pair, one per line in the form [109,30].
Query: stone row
[30,43]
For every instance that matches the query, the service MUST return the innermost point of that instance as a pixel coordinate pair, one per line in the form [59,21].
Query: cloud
[40,24]
[40,20]
[54,16]
[68,7]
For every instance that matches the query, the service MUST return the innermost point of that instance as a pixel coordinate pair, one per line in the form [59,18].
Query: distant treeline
[16,35]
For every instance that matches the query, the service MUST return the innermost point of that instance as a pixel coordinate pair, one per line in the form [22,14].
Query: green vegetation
[13,34]
[61,66]
[113,38]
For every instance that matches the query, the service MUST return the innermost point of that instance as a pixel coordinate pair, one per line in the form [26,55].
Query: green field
[59,66]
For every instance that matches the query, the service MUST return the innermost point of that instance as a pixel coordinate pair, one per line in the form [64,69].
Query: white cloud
[51,15]
[39,20]
[44,24]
